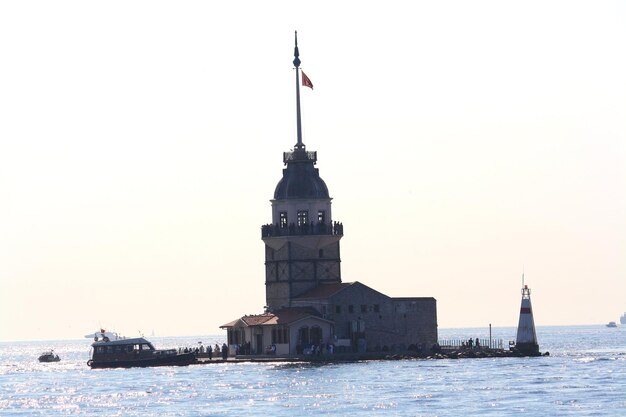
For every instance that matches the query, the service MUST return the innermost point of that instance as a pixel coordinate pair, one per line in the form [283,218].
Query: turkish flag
[306,82]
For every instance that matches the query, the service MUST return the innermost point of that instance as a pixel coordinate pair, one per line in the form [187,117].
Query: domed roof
[301,180]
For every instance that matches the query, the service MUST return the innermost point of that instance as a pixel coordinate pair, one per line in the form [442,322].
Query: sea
[585,375]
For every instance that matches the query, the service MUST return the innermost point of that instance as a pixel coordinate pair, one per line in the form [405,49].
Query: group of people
[244,349]
[323,348]
[209,350]
[470,344]
[320,228]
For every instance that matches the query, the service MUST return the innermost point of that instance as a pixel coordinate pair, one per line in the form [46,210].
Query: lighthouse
[526,341]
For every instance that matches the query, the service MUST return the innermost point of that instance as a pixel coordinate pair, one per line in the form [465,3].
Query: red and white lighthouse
[526,341]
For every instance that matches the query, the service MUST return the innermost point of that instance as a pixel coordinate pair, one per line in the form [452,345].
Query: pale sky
[462,143]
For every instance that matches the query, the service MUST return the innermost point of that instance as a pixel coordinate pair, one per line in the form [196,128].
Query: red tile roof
[257,320]
[285,316]
[230,323]
[292,314]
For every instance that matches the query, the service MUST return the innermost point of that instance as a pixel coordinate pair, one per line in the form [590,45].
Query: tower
[526,341]
[302,241]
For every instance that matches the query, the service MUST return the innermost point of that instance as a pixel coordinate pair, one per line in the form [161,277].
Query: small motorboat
[611,324]
[49,356]
[135,352]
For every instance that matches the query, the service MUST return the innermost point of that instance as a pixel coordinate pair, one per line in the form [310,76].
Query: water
[584,376]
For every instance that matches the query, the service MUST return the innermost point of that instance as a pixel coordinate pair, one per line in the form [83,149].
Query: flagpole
[296,62]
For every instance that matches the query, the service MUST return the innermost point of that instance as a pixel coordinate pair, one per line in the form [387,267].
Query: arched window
[303,218]
[303,336]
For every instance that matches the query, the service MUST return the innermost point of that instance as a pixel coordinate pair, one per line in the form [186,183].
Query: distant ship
[611,324]
[623,319]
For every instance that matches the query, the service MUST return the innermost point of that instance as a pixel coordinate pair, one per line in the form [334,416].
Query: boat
[611,324]
[49,356]
[135,352]
[622,319]
[102,334]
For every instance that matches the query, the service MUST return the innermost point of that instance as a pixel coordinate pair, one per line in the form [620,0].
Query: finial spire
[296,53]
[296,62]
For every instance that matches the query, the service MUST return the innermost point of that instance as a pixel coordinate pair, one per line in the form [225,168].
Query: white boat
[102,334]
[611,324]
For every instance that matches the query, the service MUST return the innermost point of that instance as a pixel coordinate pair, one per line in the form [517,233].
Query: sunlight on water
[585,375]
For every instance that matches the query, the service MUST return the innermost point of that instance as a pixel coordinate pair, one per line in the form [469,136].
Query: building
[307,304]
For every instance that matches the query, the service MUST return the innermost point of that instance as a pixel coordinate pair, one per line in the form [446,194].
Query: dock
[444,353]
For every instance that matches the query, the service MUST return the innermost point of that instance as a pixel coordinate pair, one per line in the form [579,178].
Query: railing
[299,155]
[461,344]
[271,230]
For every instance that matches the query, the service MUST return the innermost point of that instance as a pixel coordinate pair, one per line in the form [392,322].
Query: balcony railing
[299,155]
[271,230]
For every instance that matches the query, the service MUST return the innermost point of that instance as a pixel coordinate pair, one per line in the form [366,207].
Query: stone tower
[302,242]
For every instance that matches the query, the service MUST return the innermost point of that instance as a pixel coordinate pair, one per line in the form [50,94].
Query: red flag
[306,82]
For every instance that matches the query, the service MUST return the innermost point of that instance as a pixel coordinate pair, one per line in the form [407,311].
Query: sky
[463,143]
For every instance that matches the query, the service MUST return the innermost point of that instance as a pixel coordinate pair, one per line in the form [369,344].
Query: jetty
[373,356]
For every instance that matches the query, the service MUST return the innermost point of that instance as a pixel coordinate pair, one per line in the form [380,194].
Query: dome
[301,180]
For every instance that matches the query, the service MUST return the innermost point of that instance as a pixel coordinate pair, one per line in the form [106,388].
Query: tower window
[321,216]
[321,253]
[351,309]
[303,217]
[283,219]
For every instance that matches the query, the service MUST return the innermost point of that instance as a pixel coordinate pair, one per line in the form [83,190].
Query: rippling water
[584,376]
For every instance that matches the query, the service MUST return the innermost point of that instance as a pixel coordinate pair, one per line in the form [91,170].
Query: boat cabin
[134,352]
[124,349]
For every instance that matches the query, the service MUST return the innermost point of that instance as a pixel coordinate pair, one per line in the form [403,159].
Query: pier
[447,352]
[483,344]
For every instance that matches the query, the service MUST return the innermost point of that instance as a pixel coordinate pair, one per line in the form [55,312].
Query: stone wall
[416,318]
[298,266]
[394,324]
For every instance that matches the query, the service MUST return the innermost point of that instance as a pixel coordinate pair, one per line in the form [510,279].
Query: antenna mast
[296,63]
